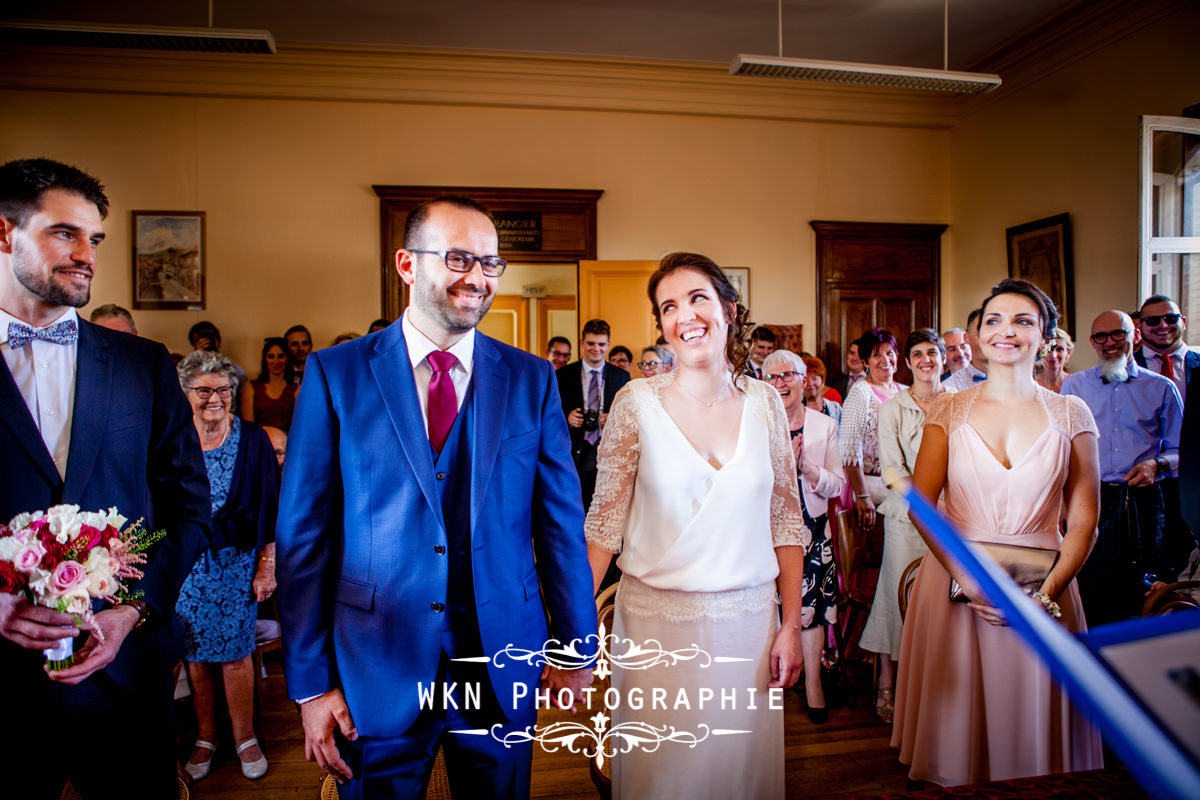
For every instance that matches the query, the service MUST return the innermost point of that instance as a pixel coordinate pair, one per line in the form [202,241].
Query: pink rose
[67,575]
[29,556]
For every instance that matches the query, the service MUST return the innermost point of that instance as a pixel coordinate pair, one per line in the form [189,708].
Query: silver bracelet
[1051,607]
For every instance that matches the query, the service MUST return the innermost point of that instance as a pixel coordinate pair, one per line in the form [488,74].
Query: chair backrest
[860,554]
[907,579]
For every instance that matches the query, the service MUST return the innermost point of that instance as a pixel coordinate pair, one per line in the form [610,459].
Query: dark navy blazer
[361,542]
[133,446]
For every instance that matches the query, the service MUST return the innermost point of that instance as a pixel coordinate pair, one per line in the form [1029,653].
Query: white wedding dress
[698,565]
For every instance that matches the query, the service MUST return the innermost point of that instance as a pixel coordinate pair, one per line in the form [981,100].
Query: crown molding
[468,78]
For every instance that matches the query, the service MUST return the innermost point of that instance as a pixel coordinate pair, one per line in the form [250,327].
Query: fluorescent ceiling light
[877,75]
[135,37]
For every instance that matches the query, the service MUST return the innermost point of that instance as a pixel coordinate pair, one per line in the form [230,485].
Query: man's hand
[33,627]
[574,680]
[1142,474]
[786,658]
[95,655]
[320,717]
[575,418]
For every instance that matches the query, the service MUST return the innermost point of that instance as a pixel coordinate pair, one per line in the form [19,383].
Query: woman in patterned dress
[819,471]
[218,602]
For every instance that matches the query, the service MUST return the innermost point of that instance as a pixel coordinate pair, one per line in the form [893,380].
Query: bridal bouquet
[64,558]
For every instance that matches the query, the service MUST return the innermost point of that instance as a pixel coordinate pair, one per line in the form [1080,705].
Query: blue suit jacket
[360,520]
[133,446]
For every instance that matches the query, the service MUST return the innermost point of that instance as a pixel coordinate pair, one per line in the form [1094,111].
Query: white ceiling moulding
[136,37]
[880,76]
[875,75]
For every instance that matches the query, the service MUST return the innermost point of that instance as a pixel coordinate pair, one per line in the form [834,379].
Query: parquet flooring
[848,755]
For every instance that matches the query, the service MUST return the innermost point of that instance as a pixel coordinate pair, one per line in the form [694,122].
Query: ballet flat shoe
[252,769]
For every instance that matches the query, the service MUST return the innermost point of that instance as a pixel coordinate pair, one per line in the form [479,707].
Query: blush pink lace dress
[972,701]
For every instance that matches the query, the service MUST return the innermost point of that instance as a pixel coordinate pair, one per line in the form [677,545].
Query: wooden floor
[848,755]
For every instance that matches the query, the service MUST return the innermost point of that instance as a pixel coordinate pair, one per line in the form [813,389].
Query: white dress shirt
[419,348]
[962,379]
[1178,358]
[45,375]
[585,375]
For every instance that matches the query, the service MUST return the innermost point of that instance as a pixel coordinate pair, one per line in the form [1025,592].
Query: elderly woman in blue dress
[218,603]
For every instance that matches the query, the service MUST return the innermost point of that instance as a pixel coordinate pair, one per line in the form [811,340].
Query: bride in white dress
[697,492]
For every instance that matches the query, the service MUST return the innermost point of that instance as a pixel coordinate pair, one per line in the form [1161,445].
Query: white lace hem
[639,599]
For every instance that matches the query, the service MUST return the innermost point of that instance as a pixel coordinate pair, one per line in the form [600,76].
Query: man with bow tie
[1139,414]
[96,418]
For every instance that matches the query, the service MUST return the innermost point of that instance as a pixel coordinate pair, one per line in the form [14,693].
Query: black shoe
[818,716]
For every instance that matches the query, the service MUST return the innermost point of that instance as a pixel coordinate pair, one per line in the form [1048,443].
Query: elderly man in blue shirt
[1139,414]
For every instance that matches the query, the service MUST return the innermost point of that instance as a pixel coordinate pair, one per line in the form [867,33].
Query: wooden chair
[1168,598]
[907,579]
[267,637]
[438,788]
[860,554]
[605,610]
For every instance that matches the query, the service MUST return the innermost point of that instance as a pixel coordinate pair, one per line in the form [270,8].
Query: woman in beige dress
[973,703]
[697,492]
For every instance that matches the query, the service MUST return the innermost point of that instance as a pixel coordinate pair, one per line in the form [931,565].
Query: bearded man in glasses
[427,464]
[1139,414]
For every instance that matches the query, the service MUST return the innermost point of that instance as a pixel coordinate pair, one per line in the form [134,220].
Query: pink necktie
[443,402]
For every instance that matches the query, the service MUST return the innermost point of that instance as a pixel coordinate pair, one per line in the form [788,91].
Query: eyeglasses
[462,261]
[1170,319]
[1104,336]
[204,392]
[649,364]
[786,377]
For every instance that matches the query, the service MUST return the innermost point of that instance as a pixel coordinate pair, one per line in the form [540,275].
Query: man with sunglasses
[1138,414]
[1163,349]
[427,464]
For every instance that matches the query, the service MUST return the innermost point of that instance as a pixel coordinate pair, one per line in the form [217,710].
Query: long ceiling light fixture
[137,37]
[876,75]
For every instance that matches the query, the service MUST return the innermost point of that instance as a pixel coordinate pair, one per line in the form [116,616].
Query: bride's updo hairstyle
[1047,311]
[737,342]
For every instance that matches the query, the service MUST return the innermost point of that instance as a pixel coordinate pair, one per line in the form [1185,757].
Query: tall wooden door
[615,291]
[874,275]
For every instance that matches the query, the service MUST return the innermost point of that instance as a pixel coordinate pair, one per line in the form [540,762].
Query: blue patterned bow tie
[64,332]
[978,378]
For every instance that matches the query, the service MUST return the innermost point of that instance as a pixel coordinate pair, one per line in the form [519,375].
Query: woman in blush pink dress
[973,703]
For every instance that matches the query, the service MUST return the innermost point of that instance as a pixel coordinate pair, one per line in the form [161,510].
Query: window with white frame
[1170,214]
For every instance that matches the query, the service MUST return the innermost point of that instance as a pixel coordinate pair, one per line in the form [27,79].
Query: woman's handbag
[1028,566]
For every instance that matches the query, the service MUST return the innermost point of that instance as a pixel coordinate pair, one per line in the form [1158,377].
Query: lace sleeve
[942,411]
[1079,417]
[616,471]
[787,522]
[856,417]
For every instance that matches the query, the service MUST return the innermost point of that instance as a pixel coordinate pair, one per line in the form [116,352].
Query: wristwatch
[1161,465]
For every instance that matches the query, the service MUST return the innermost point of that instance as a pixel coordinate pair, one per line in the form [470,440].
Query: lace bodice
[681,524]
[1067,415]
[859,435]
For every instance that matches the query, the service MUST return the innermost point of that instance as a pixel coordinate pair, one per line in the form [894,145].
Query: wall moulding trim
[468,78]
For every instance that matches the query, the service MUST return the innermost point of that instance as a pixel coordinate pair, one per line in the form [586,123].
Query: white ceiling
[899,32]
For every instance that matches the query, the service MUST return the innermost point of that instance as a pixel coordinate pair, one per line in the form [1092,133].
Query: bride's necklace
[709,404]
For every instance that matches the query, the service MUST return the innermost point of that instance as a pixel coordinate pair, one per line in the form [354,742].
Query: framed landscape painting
[168,259]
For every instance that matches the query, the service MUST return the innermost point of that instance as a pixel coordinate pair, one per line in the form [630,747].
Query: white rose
[64,522]
[9,547]
[21,521]
[78,600]
[101,584]
[116,519]
[98,558]
[93,518]
[39,582]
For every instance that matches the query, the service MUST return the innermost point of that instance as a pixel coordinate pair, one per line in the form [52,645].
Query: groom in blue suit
[96,418]
[430,512]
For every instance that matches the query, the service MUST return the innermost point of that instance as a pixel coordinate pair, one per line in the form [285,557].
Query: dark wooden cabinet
[874,275]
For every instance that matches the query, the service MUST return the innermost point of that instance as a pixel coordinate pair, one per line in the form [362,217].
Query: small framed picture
[168,259]
[1040,252]
[740,278]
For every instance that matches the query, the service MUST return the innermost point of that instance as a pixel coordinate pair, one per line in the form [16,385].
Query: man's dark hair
[418,216]
[1152,300]
[297,329]
[557,340]
[596,327]
[377,325]
[762,334]
[972,317]
[23,182]
[202,329]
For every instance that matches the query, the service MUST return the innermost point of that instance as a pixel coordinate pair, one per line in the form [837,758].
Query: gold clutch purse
[1028,566]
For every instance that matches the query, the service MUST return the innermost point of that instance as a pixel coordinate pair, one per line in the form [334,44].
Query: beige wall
[1068,143]
[293,224]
